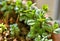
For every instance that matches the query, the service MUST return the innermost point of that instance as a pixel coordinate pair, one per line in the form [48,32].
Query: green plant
[45,7]
[2,28]
[40,26]
[14,30]
[57,31]
[40,29]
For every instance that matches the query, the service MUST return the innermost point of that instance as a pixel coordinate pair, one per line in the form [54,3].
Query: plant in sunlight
[25,17]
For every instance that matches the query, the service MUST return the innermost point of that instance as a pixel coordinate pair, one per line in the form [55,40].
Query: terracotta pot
[56,37]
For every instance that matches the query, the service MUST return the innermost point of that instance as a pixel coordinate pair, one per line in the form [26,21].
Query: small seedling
[14,30]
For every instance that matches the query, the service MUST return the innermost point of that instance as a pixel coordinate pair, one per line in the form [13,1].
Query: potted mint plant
[56,35]
[26,22]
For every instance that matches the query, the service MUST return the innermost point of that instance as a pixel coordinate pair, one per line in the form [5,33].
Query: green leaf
[19,3]
[2,28]
[57,31]
[38,38]
[14,30]
[55,25]
[31,35]
[45,7]
[30,22]
[29,3]
[4,3]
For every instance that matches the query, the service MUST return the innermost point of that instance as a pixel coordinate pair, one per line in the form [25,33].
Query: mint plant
[30,15]
[14,30]
[2,28]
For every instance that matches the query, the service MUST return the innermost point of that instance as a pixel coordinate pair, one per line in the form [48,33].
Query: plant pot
[55,37]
